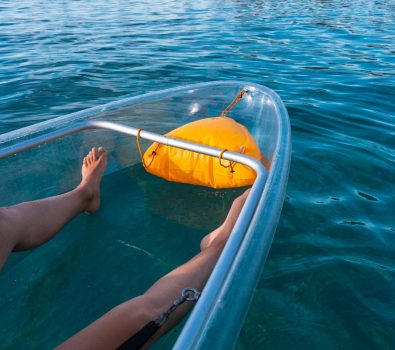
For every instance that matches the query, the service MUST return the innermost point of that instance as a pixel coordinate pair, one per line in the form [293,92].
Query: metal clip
[186,293]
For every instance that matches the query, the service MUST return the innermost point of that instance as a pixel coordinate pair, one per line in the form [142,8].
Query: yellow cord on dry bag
[175,164]
[152,155]
[231,165]
[233,104]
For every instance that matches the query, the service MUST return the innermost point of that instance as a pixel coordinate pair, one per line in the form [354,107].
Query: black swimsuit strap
[141,337]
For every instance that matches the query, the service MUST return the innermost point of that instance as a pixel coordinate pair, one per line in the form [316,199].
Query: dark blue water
[329,281]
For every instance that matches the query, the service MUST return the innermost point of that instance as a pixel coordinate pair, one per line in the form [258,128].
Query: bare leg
[27,225]
[122,322]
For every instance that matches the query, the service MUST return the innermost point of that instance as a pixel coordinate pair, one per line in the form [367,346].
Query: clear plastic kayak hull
[216,320]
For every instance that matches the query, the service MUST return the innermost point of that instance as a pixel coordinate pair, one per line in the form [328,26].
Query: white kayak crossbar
[198,321]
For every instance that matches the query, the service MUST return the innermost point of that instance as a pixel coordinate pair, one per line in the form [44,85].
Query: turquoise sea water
[329,281]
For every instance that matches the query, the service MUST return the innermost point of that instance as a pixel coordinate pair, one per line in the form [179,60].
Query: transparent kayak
[216,319]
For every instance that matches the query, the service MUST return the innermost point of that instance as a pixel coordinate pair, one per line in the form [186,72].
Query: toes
[243,197]
[246,193]
[94,154]
[102,153]
[88,158]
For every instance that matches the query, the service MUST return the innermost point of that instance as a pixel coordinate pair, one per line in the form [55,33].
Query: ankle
[84,195]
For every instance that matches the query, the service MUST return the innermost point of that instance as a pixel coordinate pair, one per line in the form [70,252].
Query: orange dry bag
[175,164]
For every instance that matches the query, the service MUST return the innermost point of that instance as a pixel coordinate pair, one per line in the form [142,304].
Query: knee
[3,218]
[5,225]
[7,235]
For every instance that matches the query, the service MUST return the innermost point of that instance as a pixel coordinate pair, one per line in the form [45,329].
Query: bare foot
[93,167]
[221,234]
